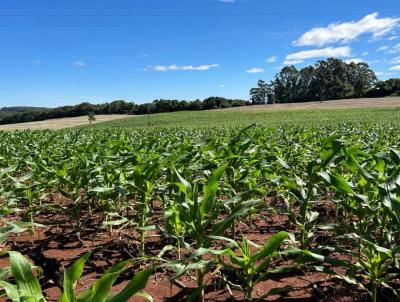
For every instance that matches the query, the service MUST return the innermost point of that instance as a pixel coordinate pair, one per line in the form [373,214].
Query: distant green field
[227,118]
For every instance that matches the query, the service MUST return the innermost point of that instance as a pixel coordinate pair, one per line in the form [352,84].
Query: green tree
[287,85]
[327,80]
[91,117]
[258,95]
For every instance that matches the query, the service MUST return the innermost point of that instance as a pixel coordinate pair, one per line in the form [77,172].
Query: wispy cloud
[79,63]
[395,68]
[299,57]
[347,31]
[227,1]
[395,60]
[382,48]
[255,70]
[395,49]
[272,59]
[174,67]
[393,38]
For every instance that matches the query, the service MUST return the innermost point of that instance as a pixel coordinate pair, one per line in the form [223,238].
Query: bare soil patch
[389,102]
[60,123]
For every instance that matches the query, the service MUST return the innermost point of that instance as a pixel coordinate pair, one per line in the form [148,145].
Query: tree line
[28,114]
[16,109]
[329,79]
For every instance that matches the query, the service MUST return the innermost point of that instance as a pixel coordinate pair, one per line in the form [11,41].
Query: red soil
[59,241]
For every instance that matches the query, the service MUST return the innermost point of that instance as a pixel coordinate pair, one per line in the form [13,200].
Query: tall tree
[327,80]
[258,95]
[287,85]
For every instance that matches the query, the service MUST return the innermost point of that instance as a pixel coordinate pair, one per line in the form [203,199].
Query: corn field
[219,214]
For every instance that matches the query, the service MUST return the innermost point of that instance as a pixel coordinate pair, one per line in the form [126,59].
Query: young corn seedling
[253,267]
[175,227]
[27,287]
[142,182]
[72,181]
[200,216]
[376,265]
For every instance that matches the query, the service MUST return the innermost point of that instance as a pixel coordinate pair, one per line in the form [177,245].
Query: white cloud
[271,59]
[348,31]
[227,1]
[174,67]
[365,53]
[79,63]
[292,62]
[382,48]
[395,60]
[393,38]
[354,60]
[298,57]
[395,68]
[255,70]
[395,49]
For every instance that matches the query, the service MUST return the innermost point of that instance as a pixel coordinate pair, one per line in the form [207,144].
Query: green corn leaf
[145,296]
[243,207]
[210,190]
[272,246]
[337,181]
[100,289]
[363,172]
[71,275]
[283,163]
[183,181]
[11,290]
[4,272]
[27,283]
[134,286]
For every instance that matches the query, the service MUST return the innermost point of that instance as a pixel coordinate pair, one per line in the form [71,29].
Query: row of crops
[203,193]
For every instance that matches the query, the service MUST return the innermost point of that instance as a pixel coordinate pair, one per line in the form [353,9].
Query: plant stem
[200,280]
[142,223]
[32,227]
[373,292]
[178,245]
[248,293]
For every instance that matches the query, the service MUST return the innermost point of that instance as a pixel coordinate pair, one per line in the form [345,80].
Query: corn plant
[253,267]
[16,227]
[27,287]
[142,182]
[376,265]
[71,180]
[200,216]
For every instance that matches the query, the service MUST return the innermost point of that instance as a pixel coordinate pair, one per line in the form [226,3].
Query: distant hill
[19,109]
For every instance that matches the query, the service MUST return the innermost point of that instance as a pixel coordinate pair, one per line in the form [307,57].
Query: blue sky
[55,52]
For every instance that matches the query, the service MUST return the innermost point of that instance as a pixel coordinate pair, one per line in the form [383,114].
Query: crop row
[211,185]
